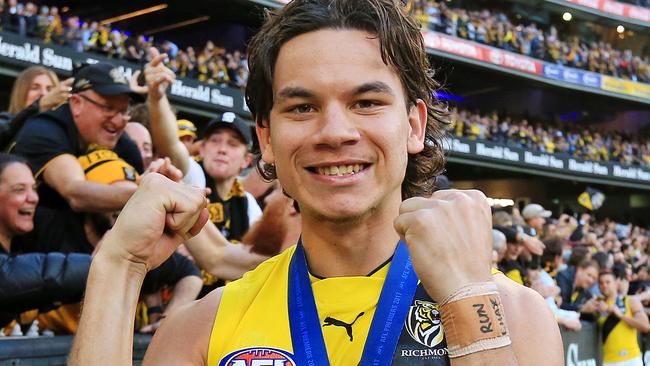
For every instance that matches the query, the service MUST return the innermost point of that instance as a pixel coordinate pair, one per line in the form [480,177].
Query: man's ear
[248,159]
[417,127]
[264,138]
[75,105]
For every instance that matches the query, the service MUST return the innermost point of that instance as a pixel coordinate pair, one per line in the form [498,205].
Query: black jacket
[40,281]
[572,298]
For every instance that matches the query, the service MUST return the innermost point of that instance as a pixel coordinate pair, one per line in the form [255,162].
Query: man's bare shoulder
[534,332]
[184,336]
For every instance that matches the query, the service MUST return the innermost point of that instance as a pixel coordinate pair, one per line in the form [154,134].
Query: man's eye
[303,108]
[367,104]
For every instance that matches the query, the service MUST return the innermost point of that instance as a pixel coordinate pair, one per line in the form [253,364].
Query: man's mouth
[338,170]
[26,211]
[110,129]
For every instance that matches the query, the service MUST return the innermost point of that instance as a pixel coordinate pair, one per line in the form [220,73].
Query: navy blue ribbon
[393,306]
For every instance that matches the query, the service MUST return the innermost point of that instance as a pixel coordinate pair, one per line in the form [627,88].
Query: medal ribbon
[392,307]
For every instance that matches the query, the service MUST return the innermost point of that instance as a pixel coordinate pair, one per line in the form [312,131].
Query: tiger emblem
[424,324]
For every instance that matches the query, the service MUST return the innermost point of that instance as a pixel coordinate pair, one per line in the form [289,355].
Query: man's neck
[355,248]
[612,297]
[223,187]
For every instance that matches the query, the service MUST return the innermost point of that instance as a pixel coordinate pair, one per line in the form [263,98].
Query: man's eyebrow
[294,92]
[374,87]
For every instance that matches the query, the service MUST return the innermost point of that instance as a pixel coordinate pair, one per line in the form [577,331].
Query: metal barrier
[582,348]
[52,351]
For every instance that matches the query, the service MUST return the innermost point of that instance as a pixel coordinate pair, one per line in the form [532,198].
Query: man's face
[340,131]
[586,277]
[188,141]
[512,251]
[537,222]
[607,284]
[224,154]
[142,138]
[18,199]
[100,119]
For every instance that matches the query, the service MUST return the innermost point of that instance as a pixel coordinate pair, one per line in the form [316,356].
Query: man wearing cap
[187,135]
[225,154]
[94,117]
[535,216]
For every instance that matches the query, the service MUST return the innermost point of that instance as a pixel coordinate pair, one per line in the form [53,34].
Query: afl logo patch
[258,356]
[424,324]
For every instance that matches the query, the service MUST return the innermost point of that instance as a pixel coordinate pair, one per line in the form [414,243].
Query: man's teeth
[340,170]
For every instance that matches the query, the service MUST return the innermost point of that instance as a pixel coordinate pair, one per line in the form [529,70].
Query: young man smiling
[225,154]
[346,121]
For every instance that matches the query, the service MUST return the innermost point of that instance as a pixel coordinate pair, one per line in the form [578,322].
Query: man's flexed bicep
[184,337]
[66,176]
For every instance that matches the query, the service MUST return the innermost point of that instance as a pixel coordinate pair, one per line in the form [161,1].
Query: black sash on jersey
[612,320]
[233,218]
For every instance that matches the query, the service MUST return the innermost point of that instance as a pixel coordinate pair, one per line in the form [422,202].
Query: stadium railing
[17,52]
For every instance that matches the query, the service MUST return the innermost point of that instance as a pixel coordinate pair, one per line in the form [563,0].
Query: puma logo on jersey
[339,323]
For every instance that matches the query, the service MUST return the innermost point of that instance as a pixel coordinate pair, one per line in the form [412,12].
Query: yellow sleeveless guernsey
[622,342]
[253,313]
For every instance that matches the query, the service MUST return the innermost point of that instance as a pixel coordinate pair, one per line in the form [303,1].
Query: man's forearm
[185,291]
[638,323]
[105,335]
[86,196]
[225,260]
[165,133]
[504,356]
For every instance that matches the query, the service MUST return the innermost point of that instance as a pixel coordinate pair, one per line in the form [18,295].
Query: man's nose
[120,120]
[32,196]
[337,127]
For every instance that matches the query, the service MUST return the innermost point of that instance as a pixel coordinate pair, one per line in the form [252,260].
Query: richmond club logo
[423,323]
[258,356]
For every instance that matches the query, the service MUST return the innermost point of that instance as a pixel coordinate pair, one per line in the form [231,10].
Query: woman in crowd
[34,280]
[35,90]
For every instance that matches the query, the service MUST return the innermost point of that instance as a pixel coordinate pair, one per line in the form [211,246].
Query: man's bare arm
[216,255]
[164,130]
[522,305]
[184,337]
[164,133]
[639,319]
[185,291]
[106,337]
[159,216]
[453,230]
[529,317]
[65,175]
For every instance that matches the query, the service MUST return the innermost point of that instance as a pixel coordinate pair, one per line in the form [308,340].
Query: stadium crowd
[563,139]
[79,148]
[210,64]
[495,28]
[216,65]
[59,223]
[586,270]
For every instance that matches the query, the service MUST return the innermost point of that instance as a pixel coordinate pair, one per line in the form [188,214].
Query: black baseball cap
[232,121]
[103,78]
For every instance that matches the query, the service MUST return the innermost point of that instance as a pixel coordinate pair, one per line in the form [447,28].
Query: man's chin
[342,215]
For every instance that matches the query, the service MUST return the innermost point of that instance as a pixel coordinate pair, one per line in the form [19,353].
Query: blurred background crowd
[59,197]
[208,63]
[495,28]
[561,139]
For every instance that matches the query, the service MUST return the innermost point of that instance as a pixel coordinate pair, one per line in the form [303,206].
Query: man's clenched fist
[160,215]
[449,237]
